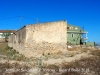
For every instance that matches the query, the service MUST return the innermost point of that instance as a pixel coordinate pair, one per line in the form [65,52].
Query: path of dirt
[67,59]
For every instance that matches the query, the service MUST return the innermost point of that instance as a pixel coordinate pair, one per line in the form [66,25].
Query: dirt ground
[72,62]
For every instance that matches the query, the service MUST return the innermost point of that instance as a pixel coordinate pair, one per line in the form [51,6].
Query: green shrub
[13,54]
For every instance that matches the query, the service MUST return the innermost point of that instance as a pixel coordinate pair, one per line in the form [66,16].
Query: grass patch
[14,55]
[2,48]
[11,53]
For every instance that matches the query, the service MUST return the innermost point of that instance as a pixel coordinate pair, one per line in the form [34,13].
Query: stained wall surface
[36,38]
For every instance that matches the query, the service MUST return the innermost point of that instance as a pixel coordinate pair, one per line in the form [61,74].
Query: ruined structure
[36,38]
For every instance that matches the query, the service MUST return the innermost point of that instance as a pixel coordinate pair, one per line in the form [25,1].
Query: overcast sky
[77,12]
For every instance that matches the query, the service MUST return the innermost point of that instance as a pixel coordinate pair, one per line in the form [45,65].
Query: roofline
[5,31]
[75,32]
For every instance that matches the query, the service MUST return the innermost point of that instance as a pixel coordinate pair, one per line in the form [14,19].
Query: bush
[13,54]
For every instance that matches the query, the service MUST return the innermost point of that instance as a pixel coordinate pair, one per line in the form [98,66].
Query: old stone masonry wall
[35,39]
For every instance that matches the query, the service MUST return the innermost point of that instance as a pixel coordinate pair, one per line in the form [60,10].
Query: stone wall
[17,40]
[37,38]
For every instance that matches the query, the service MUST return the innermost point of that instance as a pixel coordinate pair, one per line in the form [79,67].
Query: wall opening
[72,35]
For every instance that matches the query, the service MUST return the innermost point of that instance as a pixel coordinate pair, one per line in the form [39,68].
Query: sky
[14,14]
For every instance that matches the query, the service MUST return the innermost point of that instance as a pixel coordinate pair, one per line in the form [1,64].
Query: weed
[13,54]
[95,52]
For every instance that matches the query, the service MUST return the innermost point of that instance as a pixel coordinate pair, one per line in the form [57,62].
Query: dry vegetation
[84,66]
[13,69]
[8,54]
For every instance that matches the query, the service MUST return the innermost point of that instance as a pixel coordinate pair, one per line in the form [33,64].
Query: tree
[6,35]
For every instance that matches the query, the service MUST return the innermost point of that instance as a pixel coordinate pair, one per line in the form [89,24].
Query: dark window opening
[72,35]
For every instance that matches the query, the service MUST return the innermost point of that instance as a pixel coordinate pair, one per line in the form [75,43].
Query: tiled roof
[5,31]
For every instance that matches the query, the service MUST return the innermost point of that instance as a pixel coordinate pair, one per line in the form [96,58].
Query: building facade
[76,35]
[4,35]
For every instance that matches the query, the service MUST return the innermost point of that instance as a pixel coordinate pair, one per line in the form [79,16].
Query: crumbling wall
[17,40]
[38,38]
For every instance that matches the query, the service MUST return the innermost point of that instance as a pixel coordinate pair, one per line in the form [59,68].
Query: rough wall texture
[38,38]
[2,40]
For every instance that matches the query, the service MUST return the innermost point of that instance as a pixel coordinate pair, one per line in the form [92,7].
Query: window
[72,35]
[68,27]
